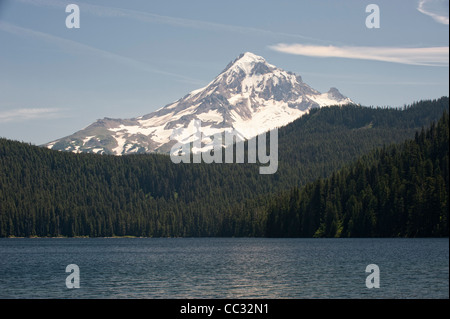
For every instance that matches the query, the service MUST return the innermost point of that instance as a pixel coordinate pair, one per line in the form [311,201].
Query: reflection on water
[223,268]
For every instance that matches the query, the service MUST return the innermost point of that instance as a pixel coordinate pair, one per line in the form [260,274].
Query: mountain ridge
[250,96]
[50,193]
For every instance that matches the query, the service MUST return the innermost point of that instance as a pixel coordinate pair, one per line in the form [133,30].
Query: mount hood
[249,96]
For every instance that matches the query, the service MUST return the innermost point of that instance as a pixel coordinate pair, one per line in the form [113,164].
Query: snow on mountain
[250,96]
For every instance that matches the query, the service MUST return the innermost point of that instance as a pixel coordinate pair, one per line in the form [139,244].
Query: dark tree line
[51,193]
[399,190]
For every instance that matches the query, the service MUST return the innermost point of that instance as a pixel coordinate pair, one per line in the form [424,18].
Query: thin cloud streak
[421,7]
[113,12]
[433,56]
[26,114]
[74,47]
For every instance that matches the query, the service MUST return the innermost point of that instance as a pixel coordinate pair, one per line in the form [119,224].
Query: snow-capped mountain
[250,96]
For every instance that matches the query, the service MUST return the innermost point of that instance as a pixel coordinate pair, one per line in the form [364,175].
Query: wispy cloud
[26,114]
[77,48]
[436,9]
[433,56]
[148,17]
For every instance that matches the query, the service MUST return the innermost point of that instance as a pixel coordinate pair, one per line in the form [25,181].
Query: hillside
[396,191]
[250,96]
[49,193]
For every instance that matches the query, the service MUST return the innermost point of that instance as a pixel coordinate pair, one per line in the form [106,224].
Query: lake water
[223,268]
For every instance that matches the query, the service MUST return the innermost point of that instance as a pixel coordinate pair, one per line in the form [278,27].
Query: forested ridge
[398,190]
[50,193]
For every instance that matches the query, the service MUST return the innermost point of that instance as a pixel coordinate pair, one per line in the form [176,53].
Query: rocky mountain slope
[250,96]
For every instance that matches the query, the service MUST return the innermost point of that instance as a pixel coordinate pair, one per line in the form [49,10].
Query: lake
[223,268]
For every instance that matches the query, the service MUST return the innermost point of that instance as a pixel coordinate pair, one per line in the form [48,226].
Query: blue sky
[129,58]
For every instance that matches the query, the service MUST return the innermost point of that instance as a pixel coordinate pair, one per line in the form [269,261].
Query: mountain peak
[250,96]
[246,62]
[249,57]
[335,94]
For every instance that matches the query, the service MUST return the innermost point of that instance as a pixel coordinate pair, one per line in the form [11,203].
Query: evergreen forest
[344,171]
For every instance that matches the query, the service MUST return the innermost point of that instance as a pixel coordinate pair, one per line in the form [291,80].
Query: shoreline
[131,237]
